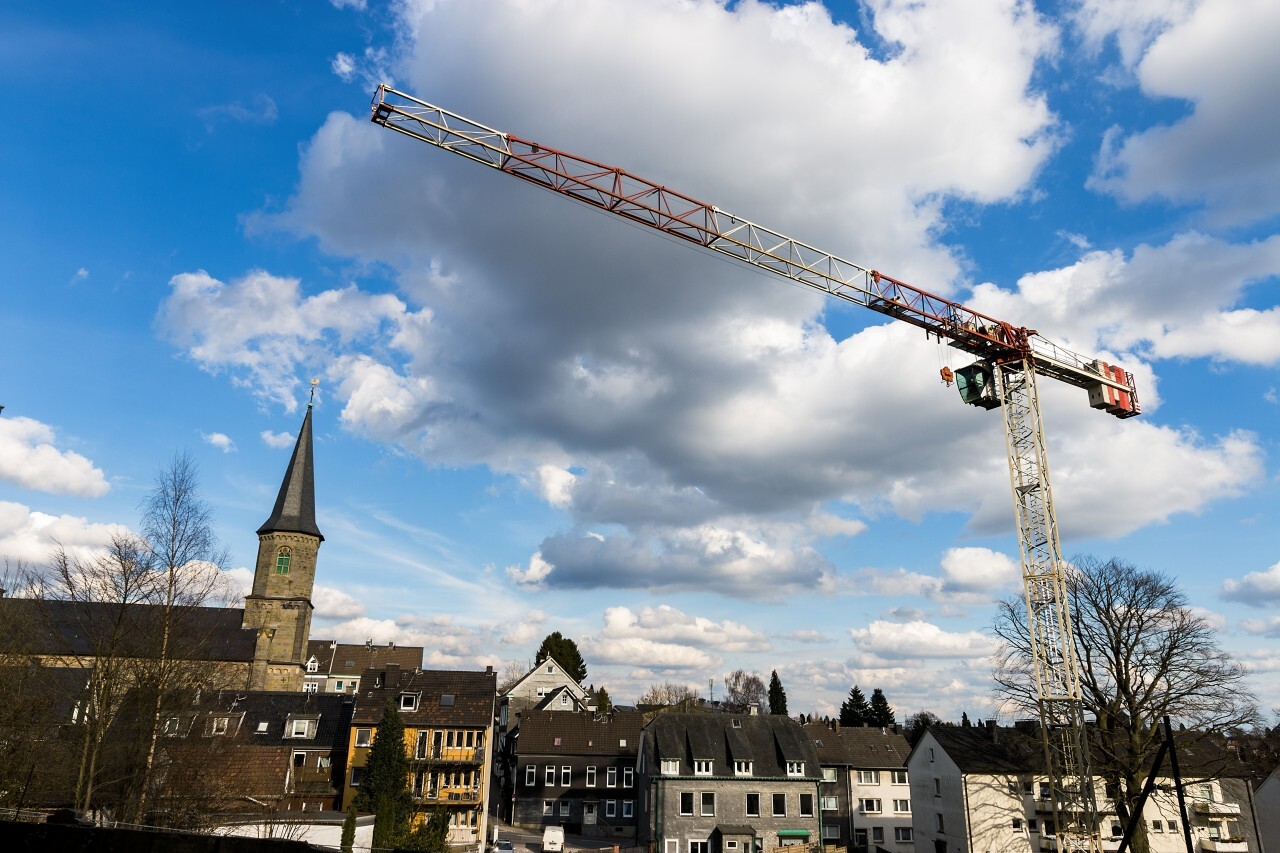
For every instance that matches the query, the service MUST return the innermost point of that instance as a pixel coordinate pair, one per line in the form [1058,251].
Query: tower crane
[1009,359]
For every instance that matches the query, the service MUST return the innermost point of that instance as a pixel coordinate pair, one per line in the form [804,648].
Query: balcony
[1214,809]
[1224,845]
[466,797]
[445,755]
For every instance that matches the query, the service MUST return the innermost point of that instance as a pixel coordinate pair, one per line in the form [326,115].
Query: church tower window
[282,561]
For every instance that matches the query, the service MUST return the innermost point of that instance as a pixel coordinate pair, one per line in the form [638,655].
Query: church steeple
[295,509]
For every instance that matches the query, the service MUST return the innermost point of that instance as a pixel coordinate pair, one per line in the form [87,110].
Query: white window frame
[877,835]
[703,801]
[773,802]
[868,777]
[548,808]
[408,702]
[902,806]
[703,767]
[628,808]
[549,779]
[564,808]
[830,804]
[530,775]
[903,835]
[870,805]
[300,729]
[610,808]
[742,768]
[221,725]
[795,768]
[830,830]
[364,737]
[591,776]
[746,807]
[628,777]
[900,777]
[611,777]
[566,776]
[828,774]
[801,808]
[670,767]
[692,803]
[310,687]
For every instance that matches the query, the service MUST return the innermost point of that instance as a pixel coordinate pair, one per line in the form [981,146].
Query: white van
[553,839]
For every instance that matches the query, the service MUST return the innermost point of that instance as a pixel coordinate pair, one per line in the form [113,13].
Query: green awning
[793,833]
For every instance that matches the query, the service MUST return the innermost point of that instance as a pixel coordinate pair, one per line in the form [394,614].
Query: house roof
[997,750]
[445,697]
[580,733]
[767,741]
[77,628]
[862,746]
[264,719]
[353,659]
[295,509]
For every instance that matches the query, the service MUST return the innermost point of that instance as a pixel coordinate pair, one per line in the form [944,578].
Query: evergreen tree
[349,830]
[565,651]
[385,789]
[431,835]
[604,704]
[964,719]
[777,696]
[855,711]
[881,711]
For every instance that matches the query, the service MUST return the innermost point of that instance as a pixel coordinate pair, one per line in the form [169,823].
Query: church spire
[295,509]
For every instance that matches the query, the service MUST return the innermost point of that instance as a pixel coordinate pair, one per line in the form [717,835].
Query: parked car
[504,845]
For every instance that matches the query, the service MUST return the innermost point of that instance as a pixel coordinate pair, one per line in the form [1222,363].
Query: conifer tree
[349,830]
[777,696]
[565,652]
[964,719]
[855,711]
[881,711]
[385,788]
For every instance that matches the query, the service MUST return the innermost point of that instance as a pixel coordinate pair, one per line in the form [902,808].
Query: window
[702,768]
[779,805]
[301,728]
[828,774]
[870,805]
[313,665]
[902,806]
[1172,825]
[731,845]
[363,736]
[628,808]
[408,701]
[795,768]
[899,777]
[564,700]
[299,759]
[566,776]
[610,808]
[830,831]
[357,776]
[220,725]
[902,834]
[171,726]
[282,561]
[686,802]
[591,776]
[564,808]
[548,807]
[699,847]
[670,766]
[829,804]
[941,826]
[622,742]
[708,804]
[551,669]
[868,777]
[323,762]
[611,777]
[937,787]
[262,727]
[531,775]
[339,686]
[930,755]
[1157,826]
[550,778]
[628,777]
[1017,824]
[1044,790]
[860,838]
[1031,824]
[310,687]
[753,805]
[742,768]
[806,805]
[877,835]
[1116,830]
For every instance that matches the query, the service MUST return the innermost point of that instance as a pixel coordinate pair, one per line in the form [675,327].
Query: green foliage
[855,711]
[565,651]
[349,830]
[431,835]
[881,711]
[964,719]
[604,704]
[385,789]
[777,696]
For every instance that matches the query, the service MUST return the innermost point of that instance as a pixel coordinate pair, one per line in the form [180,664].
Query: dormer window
[670,767]
[171,726]
[283,556]
[313,665]
[220,725]
[742,768]
[408,701]
[795,768]
[303,728]
[702,767]
[564,700]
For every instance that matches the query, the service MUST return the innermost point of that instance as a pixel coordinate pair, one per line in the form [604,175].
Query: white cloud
[260,109]
[332,603]
[276,439]
[534,574]
[978,570]
[81,274]
[894,640]
[1257,589]
[668,623]
[28,458]
[29,536]
[655,653]
[219,440]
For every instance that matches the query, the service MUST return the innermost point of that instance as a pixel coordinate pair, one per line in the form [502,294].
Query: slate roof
[353,659]
[862,747]
[74,628]
[295,509]
[768,741]
[471,704]
[580,733]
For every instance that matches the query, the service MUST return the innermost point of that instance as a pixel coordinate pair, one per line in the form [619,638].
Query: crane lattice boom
[1010,358]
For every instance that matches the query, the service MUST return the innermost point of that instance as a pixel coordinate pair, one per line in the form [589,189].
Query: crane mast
[1009,359]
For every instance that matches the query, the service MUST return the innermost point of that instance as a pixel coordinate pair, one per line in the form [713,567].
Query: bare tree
[744,689]
[1144,654]
[667,693]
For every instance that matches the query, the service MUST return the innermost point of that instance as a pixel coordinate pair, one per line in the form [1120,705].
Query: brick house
[866,795]
[577,770]
[727,783]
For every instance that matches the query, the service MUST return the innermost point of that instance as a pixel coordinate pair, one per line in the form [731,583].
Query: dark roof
[580,733]
[990,750]
[78,628]
[862,747]
[295,509]
[353,659]
[768,741]
[445,697]
[332,712]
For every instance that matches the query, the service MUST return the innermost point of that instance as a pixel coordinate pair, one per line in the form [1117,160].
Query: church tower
[279,607]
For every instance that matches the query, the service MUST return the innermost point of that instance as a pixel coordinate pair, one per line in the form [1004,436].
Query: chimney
[393,675]
[992,730]
[488,670]
[835,725]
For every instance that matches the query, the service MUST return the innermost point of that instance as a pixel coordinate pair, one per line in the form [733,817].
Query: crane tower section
[1004,377]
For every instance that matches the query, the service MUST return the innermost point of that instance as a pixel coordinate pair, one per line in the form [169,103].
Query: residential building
[448,727]
[333,667]
[984,788]
[577,770]
[866,794]
[727,783]
[1267,807]
[533,688]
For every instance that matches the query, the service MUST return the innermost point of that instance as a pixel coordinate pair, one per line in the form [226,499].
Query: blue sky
[532,418]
